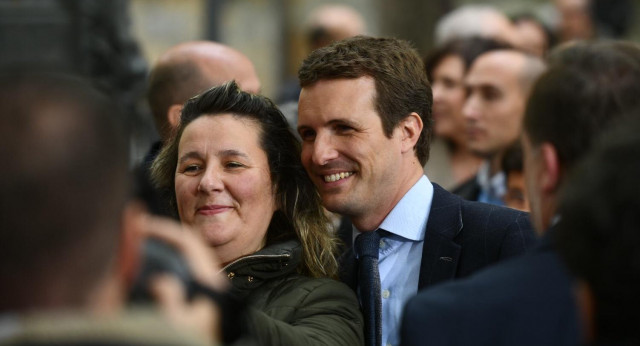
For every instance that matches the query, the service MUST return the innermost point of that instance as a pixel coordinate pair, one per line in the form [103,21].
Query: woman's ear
[411,128]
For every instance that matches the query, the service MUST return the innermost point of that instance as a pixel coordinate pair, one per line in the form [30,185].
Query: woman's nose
[211,181]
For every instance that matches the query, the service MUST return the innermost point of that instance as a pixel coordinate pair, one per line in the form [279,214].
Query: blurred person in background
[589,19]
[236,179]
[530,300]
[325,24]
[575,20]
[533,35]
[599,238]
[69,235]
[498,84]
[333,22]
[513,167]
[446,68]
[184,71]
[475,20]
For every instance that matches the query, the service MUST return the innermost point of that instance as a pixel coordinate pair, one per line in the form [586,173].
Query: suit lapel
[440,253]
[348,268]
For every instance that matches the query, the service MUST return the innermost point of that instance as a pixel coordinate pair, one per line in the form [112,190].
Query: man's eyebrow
[303,127]
[344,121]
[341,121]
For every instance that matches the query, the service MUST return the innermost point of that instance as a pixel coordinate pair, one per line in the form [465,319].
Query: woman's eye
[234,164]
[191,168]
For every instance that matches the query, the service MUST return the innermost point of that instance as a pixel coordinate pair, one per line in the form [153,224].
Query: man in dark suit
[365,123]
[529,300]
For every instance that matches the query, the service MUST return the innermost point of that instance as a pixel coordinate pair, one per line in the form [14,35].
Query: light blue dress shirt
[400,255]
[492,189]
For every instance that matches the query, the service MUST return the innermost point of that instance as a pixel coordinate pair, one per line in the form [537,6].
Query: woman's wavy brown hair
[300,214]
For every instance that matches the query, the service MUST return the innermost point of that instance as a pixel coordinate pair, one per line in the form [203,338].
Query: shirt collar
[408,219]
[495,184]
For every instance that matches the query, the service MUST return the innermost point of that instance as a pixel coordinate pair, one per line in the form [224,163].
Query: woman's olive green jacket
[287,308]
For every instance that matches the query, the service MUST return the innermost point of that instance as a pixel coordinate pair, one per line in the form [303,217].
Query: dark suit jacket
[525,301]
[469,190]
[461,238]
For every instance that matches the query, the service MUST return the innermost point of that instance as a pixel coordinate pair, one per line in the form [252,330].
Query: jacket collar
[440,253]
[276,260]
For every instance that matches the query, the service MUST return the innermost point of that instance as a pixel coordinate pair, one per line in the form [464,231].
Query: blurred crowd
[478,194]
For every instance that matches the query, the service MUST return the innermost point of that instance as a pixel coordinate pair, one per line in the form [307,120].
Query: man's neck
[371,220]
[548,213]
[495,164]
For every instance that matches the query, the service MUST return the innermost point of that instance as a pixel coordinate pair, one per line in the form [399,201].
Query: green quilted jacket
[287,308]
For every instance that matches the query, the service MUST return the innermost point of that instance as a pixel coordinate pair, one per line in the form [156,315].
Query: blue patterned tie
[366,246]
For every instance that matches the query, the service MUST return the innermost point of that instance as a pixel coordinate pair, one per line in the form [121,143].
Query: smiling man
[365,123]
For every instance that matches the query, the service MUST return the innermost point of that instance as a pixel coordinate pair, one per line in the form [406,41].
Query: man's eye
[307,135]
[343,128]
[449,83]
[491,95]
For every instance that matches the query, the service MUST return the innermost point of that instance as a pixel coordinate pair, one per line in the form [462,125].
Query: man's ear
[173,115]
[551,175]
[129,252]
[411,128]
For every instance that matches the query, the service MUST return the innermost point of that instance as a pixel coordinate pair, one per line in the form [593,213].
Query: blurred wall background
[115,41]
[271,32]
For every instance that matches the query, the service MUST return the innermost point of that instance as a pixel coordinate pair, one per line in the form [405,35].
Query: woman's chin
[215,237]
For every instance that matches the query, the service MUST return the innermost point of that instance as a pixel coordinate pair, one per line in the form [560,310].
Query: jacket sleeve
[318,312]
[518,238]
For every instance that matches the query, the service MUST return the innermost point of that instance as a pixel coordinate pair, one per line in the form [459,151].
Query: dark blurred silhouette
[599,236]
[69,237]
[91,38]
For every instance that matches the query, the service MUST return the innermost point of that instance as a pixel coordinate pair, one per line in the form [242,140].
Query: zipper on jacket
[250,257]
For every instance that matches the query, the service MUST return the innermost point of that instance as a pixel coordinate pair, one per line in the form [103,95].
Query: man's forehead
[342,99]
[506,60]
[495,71]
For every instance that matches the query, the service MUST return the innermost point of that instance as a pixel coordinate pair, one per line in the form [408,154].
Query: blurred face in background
[575,19]
[495,104]
[532,37]
[516,196]
[448,97]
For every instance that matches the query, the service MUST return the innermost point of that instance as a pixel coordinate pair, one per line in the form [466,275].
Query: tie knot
[367,244]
